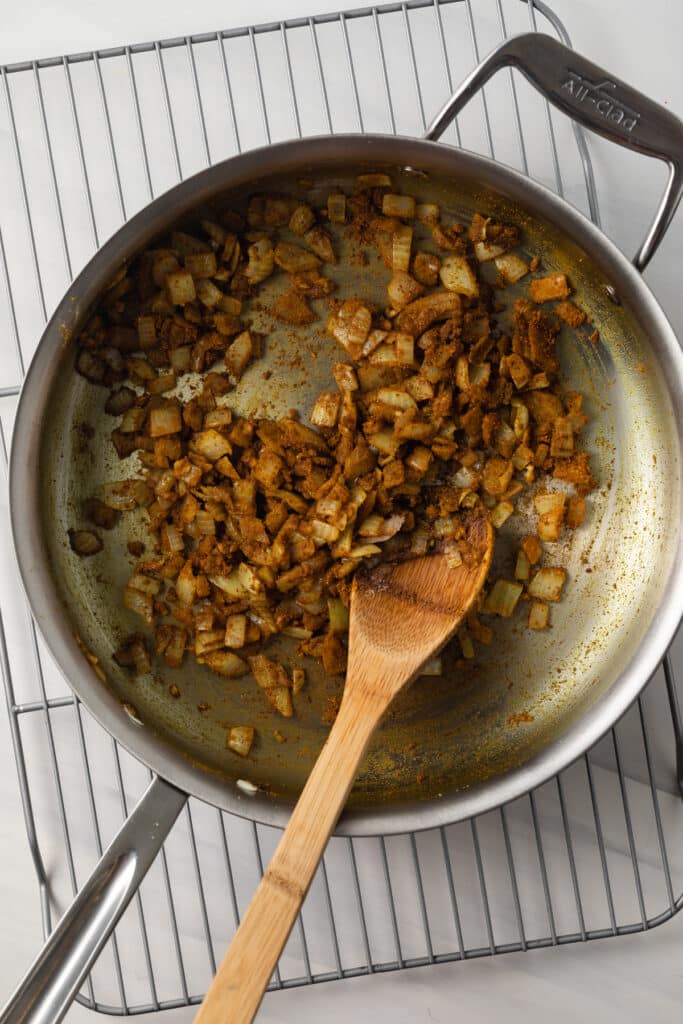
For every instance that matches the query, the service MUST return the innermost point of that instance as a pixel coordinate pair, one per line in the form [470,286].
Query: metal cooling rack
[85,141]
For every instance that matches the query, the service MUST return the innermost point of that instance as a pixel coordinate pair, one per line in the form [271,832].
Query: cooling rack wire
[85,141]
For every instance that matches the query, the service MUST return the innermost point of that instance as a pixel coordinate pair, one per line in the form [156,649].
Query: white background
[617,980]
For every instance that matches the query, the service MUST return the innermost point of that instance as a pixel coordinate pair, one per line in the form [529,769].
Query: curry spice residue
[520,718]
[257,525]
[331,709]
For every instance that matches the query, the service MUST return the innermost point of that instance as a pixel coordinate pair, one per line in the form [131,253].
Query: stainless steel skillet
[573,684]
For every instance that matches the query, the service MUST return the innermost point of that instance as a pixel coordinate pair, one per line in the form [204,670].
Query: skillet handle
[53,980]
[594,99]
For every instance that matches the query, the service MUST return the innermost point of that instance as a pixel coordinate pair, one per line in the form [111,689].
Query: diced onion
[142,662]
[239,353]
[147,333]
[428,213]
[165,420]
[217,233]
[186,244]
[208,293]
[140,603]
[457,275]
[485,251]
[119,495]
[551,510]
[201,264]
[364,551]
[180,287]
[302,220]
[511,267]
[538,615]
[164,262]
[294,259]
[261,261]
[211,445]
[85,542]
[338,614]
[336,207]
[281,699]
[320,243]
[547,584]
[240,739]
[404,347]
[326,409]
[466,645]
[172,538]
[522,566]
[403,289]
[350,326]
[401,246]
[396,398]
[433,667]
[502,598]
[366,181]
[501,513]
[180,359]
[226,664]
[398,206]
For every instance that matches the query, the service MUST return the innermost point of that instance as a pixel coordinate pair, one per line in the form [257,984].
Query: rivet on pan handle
[62,965]
[594,98]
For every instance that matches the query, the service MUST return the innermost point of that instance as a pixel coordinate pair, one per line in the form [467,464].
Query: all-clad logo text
[602,96]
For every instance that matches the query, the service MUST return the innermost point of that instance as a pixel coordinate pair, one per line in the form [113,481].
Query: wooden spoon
[400,616]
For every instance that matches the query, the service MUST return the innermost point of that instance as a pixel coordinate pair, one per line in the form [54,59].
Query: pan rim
[41,591]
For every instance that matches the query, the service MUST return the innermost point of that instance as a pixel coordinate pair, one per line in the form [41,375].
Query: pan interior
[481,718]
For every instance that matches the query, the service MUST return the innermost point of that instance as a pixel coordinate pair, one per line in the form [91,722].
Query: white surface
[621,979]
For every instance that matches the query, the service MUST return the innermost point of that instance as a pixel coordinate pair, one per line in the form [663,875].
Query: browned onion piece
[85,542]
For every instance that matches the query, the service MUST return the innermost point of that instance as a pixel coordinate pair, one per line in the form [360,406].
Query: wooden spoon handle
[242,978]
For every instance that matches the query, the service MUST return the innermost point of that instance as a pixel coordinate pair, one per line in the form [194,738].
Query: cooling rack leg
[676,718]
[56,975]
[24,789]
